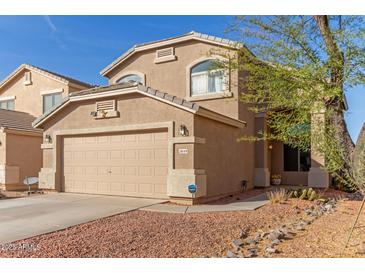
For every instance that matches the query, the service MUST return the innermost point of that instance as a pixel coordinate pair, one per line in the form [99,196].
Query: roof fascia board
[25,132]
[131,51]
[221,118]
[22,67]
[125,91]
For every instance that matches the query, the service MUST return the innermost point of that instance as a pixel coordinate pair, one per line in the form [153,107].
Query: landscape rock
[243,234]
[230,254]
[252,252]
[271,250]
[237,244]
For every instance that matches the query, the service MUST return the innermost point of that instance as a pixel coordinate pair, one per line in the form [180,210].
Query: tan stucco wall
[24,157]
[28,97]
[171,77]
[226,161]
[134,109]
[277,167]
[2,148]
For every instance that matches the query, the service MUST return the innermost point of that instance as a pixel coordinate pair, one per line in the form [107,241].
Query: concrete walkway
[246,205]
[30,216]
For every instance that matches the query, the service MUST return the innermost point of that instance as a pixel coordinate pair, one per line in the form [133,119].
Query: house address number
[183,151]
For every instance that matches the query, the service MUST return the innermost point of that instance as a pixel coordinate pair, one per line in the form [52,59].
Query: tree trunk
[336,64]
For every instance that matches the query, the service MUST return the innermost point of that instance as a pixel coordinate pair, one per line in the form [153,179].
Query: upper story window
[130,78]
[50,100]
[205,79]
[7,104]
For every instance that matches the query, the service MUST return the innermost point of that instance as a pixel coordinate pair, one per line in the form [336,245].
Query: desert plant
[305,194]
[278,196]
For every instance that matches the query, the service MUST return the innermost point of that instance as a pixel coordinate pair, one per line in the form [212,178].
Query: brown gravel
[152,234]
[327,235]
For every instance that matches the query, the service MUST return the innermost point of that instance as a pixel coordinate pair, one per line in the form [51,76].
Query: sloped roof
[56,76]
[190,35]
[125,88]
[10,119]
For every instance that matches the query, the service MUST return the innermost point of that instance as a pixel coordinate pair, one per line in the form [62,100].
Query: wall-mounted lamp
[184,131]
[270,146]
[48,139]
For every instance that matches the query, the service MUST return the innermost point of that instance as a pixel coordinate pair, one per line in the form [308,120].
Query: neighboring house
[166,120]
[26,93]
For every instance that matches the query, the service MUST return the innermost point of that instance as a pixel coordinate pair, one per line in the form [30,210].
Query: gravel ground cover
[152,234]
[326,237]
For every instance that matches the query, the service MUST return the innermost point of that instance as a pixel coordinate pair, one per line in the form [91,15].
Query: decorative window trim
[27,78]
[129,72]
[217,95]
[7,98]
[47,92]
[165,58]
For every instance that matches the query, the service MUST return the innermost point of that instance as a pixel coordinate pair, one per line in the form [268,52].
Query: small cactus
[303,195]
[313,196]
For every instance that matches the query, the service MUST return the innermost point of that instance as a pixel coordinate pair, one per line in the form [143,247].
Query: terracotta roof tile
[11,119]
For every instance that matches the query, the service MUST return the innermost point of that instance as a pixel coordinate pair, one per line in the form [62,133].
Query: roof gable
[55,76]
[127,88]
[165,42]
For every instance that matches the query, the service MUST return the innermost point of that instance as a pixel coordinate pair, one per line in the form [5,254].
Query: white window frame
[208,95]
[47,94]
[7,99]
[126,73]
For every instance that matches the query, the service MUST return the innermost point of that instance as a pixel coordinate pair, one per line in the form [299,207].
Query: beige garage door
[132,164]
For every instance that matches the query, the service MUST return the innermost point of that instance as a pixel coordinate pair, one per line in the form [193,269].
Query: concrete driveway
[30,216]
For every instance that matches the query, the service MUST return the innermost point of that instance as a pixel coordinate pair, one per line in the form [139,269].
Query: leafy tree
[298,66]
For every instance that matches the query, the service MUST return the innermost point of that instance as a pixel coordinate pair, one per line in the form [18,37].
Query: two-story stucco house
[25,94]
[166,120]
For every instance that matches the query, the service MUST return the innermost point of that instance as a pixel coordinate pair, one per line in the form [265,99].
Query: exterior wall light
[270,146]
[48,139]
[184,131]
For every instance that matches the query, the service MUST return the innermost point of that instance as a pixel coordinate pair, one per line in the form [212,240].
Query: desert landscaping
[294,228]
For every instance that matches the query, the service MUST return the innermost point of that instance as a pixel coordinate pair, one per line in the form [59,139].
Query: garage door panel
[130,164]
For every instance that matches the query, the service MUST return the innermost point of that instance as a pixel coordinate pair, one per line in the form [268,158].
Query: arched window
[130,78]
[205,78]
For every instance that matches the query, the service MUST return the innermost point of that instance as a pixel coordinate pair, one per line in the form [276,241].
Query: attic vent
[164,52]
[105,109]
[105,106]
[164,55]
[27,78]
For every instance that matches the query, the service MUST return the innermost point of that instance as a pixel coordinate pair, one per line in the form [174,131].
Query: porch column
[317,176]
[262,173]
